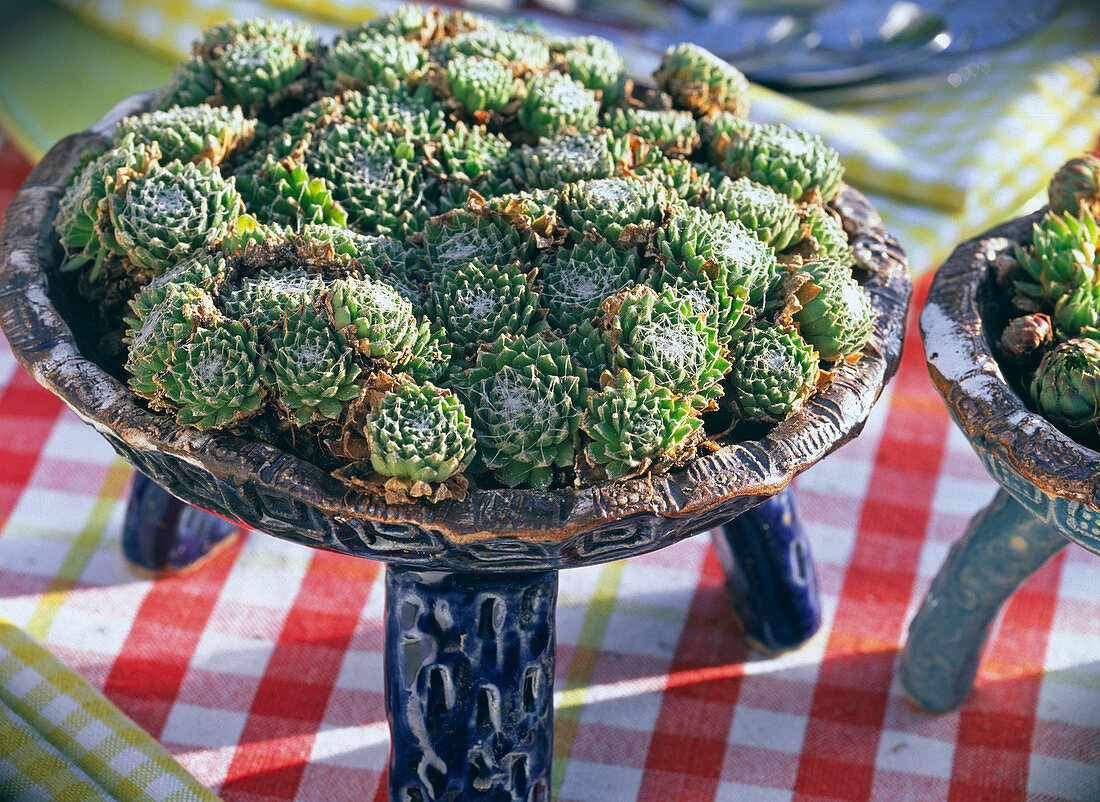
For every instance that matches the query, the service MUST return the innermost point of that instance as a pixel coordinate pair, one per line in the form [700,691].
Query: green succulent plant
[376,177]
[476,303]
[566,158]
[465,158]
[827,235]
[415,112]
[774,371]
[635,426]
[190,133]
[1062,256]
[255,64]
[700,245]
[771,216]
[671,130]
[555,102]
[1075,187]
[372,316]
[662,334]
[85,201]
[621,210]
[607,76]
[1077,313]
[578,280]
[315,372]
[519,52]
[836,316]
[719,303]
[381,60]
[480,84]
[701,82]
[685,180]
[164,318]
[267,300]
[170,213]
[457,238]
[1066,385]
[217,379]
[793,162]
[285,194]
[420,433]
[525,397]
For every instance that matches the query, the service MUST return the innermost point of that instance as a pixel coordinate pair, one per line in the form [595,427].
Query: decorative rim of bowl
[708,491]
[966,373]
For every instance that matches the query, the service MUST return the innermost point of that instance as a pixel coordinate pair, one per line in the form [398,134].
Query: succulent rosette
[255,64]
[1066,386]
[566,158]
[768,214]
[525,398]
[835,316]
[620,210]
[436,216]
[791,161]
[1075,187]
[217,379]
[664,335]
[476,303]
[380,60]
[633,424]
[701,82]
[773,374]
[699,245]
[85,200]
[1062,257]
[420,433]
[671,130]
[170,213]
[375,176]
[314,370]
[190,133]
[555,102]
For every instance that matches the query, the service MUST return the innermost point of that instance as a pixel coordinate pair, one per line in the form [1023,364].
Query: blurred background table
[258,671]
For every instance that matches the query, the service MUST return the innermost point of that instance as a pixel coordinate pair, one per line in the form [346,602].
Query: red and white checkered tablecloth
[262,673]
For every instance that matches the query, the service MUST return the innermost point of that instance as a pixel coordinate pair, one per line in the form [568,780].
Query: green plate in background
[58,75]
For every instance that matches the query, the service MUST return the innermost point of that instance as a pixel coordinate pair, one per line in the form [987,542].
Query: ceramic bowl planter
[471,585]
[1050,485]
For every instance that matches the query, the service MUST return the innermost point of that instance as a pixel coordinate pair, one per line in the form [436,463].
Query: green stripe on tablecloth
[81,551]
[579,673]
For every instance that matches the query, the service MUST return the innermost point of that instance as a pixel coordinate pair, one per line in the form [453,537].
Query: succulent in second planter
[1075,187]
[1066,385]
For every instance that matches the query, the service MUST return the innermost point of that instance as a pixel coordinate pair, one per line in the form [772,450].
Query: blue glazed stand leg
[770,574]
[469,674]
[1003,546]
[162,535]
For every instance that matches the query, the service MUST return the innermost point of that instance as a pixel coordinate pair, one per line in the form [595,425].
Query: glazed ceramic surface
[1043,469]
[273,491]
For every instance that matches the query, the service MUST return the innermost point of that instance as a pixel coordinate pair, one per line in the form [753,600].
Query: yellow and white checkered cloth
[940,165]
[60,739]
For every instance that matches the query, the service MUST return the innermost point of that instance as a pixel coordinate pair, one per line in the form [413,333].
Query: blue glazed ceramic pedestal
[1003,546]
[469,656]
[1049,484]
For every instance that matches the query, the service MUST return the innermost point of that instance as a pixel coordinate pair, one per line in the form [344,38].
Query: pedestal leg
[163,535]
[469,674]
[1003,546]
[770,574]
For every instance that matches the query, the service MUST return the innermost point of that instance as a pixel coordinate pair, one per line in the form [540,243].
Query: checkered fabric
[61,740]
[262,673]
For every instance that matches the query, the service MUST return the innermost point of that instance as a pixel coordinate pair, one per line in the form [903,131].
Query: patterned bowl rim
[964,369]
[709,490]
